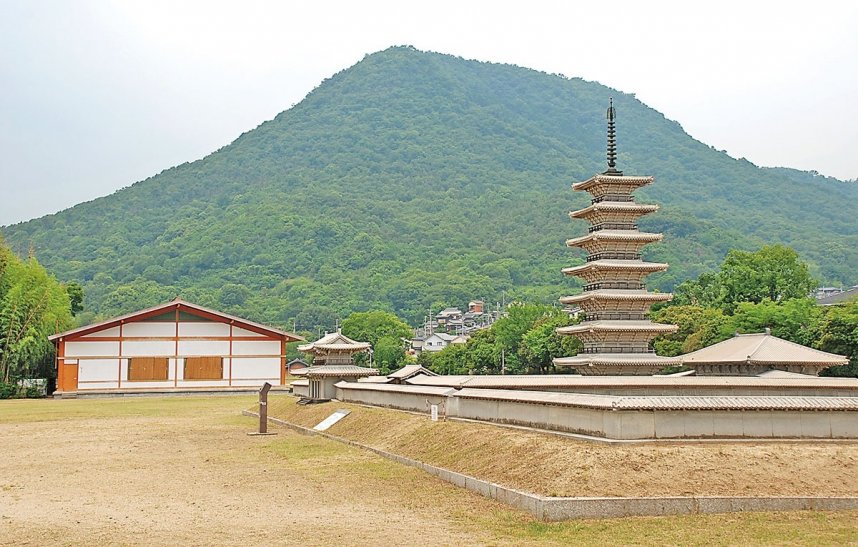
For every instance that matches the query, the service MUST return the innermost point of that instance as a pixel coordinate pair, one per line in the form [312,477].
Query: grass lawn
[182,469]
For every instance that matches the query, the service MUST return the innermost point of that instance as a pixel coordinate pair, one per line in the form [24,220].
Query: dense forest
[415,180]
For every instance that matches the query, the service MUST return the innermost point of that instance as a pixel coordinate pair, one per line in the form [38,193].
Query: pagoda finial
[612,141]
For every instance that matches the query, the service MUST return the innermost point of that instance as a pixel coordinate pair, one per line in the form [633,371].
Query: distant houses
[451,326]
[831,296]
[440,340]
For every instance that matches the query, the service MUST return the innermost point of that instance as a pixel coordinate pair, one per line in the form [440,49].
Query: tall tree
[384,331]
[774,272]
[33,305]
[840,335]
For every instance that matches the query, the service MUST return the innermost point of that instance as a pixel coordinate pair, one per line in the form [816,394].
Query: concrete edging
[549,508]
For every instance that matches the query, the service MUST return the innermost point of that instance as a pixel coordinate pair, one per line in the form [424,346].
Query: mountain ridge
[412,179]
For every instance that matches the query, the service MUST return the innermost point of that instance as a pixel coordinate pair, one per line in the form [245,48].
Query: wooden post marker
[263,411]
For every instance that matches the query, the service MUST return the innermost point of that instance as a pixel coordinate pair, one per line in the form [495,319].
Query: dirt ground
[554,465]
[183,470]
[193,475]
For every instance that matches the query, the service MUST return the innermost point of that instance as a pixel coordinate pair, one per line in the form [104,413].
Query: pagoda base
[618,364]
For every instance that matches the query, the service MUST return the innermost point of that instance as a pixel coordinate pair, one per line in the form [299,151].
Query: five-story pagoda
[616,332]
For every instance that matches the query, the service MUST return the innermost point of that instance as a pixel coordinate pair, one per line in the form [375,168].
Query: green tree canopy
[775,272]
[385,332]
[33,305]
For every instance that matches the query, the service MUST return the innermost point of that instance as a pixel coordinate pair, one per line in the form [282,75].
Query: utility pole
[503,361]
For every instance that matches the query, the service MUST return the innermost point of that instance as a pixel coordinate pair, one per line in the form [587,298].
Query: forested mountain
[415,179]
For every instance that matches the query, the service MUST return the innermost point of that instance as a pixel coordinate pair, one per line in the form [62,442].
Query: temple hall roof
[761,349]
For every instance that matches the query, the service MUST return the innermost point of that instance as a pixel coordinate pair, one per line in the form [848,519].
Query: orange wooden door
[69,377]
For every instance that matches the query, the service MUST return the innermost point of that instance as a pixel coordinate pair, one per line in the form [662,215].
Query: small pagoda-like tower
[333,361]
[616,332]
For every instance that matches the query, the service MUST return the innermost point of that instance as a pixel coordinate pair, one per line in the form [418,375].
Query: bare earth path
[183,470]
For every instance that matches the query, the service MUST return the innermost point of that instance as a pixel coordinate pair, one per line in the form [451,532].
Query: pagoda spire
[612,141]
[616,332]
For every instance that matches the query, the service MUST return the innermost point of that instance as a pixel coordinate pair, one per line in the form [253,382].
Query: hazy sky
[95,96]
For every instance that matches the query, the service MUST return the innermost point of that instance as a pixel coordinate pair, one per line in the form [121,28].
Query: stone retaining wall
[567,508]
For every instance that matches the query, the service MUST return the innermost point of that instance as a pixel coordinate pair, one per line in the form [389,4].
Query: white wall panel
[147,328]
[97,369]
[204,347]
[240,347]
[80,348]
[267,367]
[238,331]
[148,348]
[113,331]
[208,328]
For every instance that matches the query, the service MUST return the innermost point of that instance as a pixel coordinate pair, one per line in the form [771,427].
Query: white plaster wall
[92,349]
[203,347]
[238,331]
[240,347]
[149,328]
[98,374]
[209,328]
[148,348]
[113,331]
[249,367]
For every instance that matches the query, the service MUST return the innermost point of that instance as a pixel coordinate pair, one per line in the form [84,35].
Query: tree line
[33,305]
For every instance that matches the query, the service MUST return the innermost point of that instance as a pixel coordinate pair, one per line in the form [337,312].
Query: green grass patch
[789,528]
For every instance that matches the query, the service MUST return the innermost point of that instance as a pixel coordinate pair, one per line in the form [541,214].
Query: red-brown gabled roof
[181,305]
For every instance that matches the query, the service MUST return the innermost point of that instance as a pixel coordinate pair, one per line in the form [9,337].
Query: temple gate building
[333,361]
[616,331]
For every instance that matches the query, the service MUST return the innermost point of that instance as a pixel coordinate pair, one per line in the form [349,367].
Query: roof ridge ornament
[612,142]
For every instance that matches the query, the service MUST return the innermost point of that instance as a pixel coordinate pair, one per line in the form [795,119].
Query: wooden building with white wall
[177,346]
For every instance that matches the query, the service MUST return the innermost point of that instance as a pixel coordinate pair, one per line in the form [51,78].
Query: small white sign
[433,409]
[332,419]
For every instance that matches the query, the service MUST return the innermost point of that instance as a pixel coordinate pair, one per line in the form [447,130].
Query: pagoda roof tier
[614,207]
[335,341]
[614,235]
[621,265]
[618,294]
[344,371]
[613,180]
[617,326]
[617,363]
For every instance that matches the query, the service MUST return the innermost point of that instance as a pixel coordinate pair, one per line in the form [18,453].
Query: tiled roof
[340,370]
[376,380]
[618,359]
[839,298]
[334,341]
[571,381]
[617,326]
[599,179]
[672,402]
[763,349]
[410,370]
[182,305]
[397,388]
[614,206]
[614,294]
[615,235]
[607,264]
